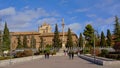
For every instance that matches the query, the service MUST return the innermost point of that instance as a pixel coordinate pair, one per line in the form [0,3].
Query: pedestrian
[47,55]
[72,55]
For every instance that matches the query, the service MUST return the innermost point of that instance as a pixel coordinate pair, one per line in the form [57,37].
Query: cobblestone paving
[58,62]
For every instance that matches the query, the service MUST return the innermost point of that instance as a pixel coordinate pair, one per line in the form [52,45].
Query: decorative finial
[63,22]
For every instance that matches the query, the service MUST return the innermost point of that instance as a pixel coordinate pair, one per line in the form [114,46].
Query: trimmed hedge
[25,53]
[113,56]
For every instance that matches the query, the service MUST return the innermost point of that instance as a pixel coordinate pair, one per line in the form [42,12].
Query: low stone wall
[18,60]
[100,61]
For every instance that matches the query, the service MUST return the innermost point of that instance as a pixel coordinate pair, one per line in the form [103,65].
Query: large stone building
[44,31]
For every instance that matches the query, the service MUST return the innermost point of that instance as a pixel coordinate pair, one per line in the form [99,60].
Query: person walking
[72,55]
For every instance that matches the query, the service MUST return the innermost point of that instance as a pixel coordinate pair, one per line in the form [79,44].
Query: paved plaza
[57,62]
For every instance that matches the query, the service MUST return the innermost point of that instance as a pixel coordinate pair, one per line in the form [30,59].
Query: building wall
[44,31]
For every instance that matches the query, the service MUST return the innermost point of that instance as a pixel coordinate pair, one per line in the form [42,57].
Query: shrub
[24,53]
[104,52]
[53,52]
[19,54]
[86,51]
[4,58]
[117,47]
[28,52]
[113,56]
[37,53]
[97,52]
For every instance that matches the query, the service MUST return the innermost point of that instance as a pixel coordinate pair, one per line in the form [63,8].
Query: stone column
[63,38]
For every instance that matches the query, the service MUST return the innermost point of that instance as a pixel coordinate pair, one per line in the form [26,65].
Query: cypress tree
[6,38]
[41,43]
[109,38]
[69,43]
[117,29]
[102,41]
[89,34]
[80,41]
[33,42]
[19,46]
[25,41]
[56,38]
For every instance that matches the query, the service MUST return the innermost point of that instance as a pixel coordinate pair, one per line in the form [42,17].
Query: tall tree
[19,43]
[89,34]
[80,40]
[102,41]
[33,42]
[69,43]
[109,38]
[6,38]
[25,41]
[41,43]
[117,29]
[56,38]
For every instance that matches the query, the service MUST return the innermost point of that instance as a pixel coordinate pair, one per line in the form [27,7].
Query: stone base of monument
[62,52]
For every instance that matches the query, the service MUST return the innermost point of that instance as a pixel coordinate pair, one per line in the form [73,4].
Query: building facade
[44,31]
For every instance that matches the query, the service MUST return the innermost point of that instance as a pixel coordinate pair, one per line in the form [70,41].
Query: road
[57,62]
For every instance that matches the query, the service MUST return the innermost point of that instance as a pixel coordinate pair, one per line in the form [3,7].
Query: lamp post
[94,45]
[84,42]
[10,49]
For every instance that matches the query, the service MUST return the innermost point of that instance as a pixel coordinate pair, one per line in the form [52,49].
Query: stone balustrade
[101,61]
[18,60]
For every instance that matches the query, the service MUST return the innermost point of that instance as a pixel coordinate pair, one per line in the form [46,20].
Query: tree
[33,42]
[25,41]
[80,40]
[89,34]
[6,38]
[109,38]
[56,38]
[117,46]
[69,43]
[102,41]
[41,42]
[19,46]
[117,29]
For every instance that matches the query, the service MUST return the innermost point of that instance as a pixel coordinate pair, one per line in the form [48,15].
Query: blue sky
[27,15]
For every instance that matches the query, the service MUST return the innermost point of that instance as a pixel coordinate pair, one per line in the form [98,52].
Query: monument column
[63,38]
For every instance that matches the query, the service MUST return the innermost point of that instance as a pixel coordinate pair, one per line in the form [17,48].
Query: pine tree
[80,43]
[41,43]
[33,42]
[69,43]
[56,38]
[117,29]
[102,41]
[109,38]
[6,38]
[19,46]
[89,34]
[25,41]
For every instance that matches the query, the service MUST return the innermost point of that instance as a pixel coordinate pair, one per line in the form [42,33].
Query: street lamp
[94,45]
[10,49]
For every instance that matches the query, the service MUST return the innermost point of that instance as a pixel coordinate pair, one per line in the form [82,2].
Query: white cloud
[50,20]
[82,10]
[76,27]
[24,18]
[63,2]
[7,11]
[91,15]
[109,6]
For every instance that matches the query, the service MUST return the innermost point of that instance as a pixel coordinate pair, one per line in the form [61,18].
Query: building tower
[63,38]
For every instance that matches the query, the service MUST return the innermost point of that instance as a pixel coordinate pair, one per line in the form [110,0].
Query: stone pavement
[57,62]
